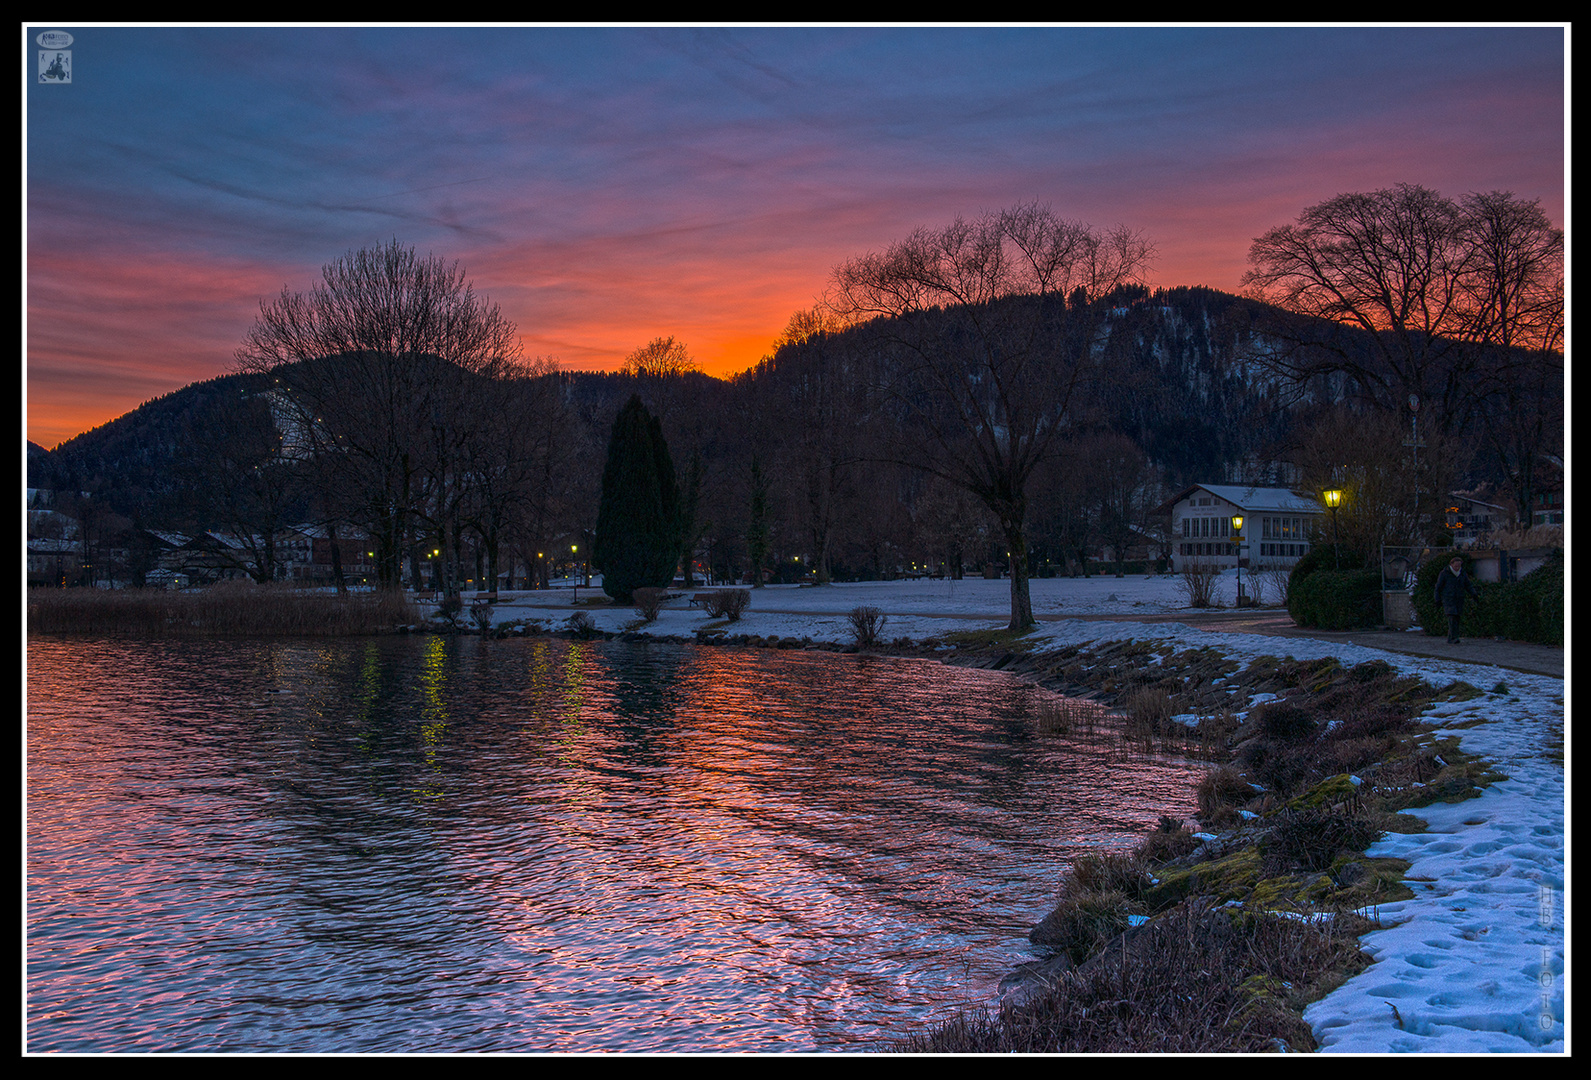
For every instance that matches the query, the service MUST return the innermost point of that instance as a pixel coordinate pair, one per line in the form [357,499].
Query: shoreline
[1059,656]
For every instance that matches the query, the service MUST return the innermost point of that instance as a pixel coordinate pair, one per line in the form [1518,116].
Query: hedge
[1530,609]
[1333,587]
[1336,599]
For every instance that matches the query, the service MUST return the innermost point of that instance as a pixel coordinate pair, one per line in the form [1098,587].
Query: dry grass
[1064,716]
[233,608]
[1513,539]
[1196,980]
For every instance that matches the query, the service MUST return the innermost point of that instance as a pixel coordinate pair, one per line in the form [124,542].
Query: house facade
[1278,525]
[1469,518]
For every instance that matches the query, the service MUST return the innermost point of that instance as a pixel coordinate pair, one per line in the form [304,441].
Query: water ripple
[414,844]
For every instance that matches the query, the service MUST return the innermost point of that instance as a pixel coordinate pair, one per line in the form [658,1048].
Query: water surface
[420,844]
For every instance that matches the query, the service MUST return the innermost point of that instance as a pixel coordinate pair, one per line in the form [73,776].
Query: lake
[422,844]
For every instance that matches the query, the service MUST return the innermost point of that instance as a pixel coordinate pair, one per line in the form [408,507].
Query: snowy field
[1473,964]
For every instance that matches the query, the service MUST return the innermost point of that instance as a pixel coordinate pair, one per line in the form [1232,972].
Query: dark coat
[1451,589]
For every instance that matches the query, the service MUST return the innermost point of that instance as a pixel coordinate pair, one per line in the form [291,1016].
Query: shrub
[1272,582]
[1536,609]
[451,610]
[1065,715]
[1125,874]
[648,602]
[582,626]
[1527,610]
[1171,839]
[1222,788]
[1283,720]
[1335,599]
[1326,556]
[481,615]
[1309,839]
[1083,921]
[727,603]
[866,625]
[1196,980]
[1198,583]
[1149,707]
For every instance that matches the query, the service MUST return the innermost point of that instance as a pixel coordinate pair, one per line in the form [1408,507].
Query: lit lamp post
[1333,500]
[574,572]
[1237,537]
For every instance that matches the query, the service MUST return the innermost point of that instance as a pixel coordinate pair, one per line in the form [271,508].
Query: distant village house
[1277,526]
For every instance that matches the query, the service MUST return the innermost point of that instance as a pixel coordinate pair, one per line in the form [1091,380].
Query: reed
[227,609]
[1065,715]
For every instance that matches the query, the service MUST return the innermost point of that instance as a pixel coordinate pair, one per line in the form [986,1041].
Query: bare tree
[811,380]
[367,367]
[1459,303]
[237,481]
[1123,487]
[1391,263]
[659,358]
[1426,278]
[515,442]
[1518,299]
[1362,455]
[984,327]
[1515,284]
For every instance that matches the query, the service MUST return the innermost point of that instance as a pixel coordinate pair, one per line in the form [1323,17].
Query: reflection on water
[422,844]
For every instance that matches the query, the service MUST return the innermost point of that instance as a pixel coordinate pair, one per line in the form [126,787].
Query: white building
[1277,526]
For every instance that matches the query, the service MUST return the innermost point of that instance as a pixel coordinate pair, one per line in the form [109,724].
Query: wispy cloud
[607,185]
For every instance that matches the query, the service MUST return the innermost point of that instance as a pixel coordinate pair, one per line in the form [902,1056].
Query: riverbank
[1472,961]
[1213,936]
[228,609]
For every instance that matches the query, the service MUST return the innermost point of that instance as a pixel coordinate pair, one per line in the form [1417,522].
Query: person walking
[1451,588]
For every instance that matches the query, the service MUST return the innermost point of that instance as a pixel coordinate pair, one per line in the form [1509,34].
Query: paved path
[1514,655]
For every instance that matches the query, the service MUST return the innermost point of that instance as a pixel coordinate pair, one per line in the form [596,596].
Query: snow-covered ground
[1474,963]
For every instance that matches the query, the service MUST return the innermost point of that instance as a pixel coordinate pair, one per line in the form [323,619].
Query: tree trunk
[1021,598]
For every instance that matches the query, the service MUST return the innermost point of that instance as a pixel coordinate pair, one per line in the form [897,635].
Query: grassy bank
[1213,938]
[227,609]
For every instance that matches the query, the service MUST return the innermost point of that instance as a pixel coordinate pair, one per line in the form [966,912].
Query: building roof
[1254,500]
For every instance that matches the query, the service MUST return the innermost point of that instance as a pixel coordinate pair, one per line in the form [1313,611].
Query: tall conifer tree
[637,542]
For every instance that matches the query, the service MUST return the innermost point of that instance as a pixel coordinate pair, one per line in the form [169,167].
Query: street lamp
[574,572]
[1333,500]
[1237,537]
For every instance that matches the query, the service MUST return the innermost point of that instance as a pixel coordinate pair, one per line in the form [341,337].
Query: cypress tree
[637,542]
[757,533]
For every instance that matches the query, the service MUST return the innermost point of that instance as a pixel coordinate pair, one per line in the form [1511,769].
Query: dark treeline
[937,412]
[1174,398]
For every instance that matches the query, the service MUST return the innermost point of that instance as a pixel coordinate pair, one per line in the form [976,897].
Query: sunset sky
[610,185]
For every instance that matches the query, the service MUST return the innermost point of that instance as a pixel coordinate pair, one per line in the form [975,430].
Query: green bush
[1325,556]
[1527,610]
[1335,599]
[1537,612]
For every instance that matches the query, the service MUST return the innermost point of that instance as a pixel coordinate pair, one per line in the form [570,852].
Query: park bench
[700,598]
